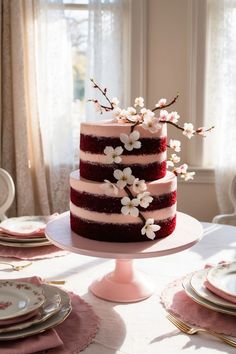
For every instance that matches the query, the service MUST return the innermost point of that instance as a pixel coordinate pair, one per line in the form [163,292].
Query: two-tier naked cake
[122,192]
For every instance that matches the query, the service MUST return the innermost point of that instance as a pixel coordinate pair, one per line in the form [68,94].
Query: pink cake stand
[124,283]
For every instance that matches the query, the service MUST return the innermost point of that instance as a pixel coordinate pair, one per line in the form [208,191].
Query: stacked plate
[214,288]
[24,231]
[28,309]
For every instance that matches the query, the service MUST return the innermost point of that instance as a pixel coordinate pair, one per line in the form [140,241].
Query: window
[76,14]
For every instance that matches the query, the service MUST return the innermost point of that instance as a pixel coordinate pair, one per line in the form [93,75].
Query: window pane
[77,23]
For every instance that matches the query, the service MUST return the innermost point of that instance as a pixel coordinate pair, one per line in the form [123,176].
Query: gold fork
[184,327]
[17,267]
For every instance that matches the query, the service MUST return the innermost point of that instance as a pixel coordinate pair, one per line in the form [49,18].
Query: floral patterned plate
[25,225]
[223,278]
[50,307]
[18,298]
[51,322]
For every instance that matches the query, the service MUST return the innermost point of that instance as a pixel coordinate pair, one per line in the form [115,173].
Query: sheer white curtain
[55,95]
[221,92]
[105,51]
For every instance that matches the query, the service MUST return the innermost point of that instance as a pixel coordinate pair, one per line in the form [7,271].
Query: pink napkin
[175,301]
[71,336]
[31,253]
[34,344]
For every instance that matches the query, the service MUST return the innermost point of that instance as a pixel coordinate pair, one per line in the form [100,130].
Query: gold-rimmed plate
[8,238]
[18,298]
[24,225]
[50,307]
[195,297]
[46,242]
[197,282]
[223,278]
[52,322]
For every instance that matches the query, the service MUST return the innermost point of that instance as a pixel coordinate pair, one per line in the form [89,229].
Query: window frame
[197,51]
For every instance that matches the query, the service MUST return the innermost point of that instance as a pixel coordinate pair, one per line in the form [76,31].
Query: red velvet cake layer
[97,144]
[99,172]
[118,232]
[108,204]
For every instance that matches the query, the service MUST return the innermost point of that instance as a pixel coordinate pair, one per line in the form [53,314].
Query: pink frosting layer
[158,187]
[111,129]
[161,214]
[127,160]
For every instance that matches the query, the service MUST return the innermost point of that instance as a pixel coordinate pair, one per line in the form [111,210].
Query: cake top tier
[107,146]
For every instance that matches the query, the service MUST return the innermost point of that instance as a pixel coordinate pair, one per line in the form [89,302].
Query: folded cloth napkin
[69,337]
[34,344]
[175,301]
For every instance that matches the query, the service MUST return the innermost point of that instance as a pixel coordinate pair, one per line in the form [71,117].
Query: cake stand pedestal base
[124,284]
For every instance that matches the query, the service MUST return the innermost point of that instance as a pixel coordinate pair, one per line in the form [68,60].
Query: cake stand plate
[125,283]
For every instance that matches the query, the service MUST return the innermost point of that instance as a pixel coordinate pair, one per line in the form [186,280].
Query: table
[142,327]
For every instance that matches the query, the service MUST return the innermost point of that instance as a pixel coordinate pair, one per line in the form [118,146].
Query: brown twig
[166,105]
[106,108]
[129,193]
[181,128]
[104,92]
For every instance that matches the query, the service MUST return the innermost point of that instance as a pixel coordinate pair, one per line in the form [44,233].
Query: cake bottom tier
[108,232]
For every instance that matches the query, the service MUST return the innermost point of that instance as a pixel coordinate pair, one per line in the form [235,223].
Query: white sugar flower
[182,169]
[130,206]
[113,155]
[131,110]
[163,115]
[161,102]
[144,199]
[123,113]
[131,141]
[109,188]
[175,144]
[132,114]
[139,185]
[143,111]
[150,228]
[115,101]
[169,163]
[173,117]
[188,176]
[117,111]
[188,130]
[175,158]
[124,177]
[151,124]
[139,101]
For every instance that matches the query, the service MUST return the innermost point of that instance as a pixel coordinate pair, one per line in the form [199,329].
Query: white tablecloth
[140,328]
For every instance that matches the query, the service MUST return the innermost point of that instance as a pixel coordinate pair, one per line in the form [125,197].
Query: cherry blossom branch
[106,108]
[166,105]
[104,93]
[130,195]
[198,131]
